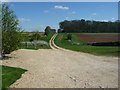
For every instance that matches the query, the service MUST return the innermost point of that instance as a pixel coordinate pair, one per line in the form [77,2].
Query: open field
[10,75]
[77,45]
[25,36]
[98,37]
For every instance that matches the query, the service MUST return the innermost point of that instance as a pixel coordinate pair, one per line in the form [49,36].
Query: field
[79,44]
[98,37]
[10,75]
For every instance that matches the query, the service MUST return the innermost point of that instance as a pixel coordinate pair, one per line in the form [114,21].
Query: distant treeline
[87,26]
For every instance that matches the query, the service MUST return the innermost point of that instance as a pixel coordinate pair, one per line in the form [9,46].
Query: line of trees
[11,35]
[88,26]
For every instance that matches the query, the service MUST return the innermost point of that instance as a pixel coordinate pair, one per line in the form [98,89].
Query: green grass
[10,75]
[83,47]
[47,38]
[25,37]
[42,37]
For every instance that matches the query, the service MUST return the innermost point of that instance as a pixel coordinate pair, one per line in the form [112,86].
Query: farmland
[25,36]
[98,37]
[78,43]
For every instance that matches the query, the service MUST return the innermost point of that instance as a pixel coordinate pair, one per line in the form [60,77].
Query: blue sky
[35,16]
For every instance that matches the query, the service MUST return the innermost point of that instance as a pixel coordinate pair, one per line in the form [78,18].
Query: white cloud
[24,19]
[73,12]
[113,18]
[67,18]
[61,7]
[41,25]
[46,11]
[94,14]
[3,0]
[104,20]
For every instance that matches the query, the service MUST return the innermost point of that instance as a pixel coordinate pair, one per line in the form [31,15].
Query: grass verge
[77,45]
[47,38]
[10,75]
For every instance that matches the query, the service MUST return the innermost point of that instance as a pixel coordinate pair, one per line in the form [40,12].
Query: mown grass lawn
[77,45]
[10,75]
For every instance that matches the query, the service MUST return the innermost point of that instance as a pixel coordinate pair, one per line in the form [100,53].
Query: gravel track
[61,68]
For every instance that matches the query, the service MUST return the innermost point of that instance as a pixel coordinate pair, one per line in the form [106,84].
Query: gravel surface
[61,68]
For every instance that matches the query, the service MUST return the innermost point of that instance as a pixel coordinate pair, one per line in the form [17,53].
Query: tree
[87,26]
[10,30]
[47,30]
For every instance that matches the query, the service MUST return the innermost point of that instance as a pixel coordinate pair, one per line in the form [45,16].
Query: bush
[69,37]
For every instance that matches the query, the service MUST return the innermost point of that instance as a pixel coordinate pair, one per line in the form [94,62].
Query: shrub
[69,37]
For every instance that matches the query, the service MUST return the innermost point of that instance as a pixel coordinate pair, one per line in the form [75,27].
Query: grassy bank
[10,75]
[77,45]
[47,38]
[42,37]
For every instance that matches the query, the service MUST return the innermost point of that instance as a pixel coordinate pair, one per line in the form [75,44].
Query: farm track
[61,68]
[52,44]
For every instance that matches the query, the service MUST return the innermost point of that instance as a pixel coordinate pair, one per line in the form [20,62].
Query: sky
[35,16]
